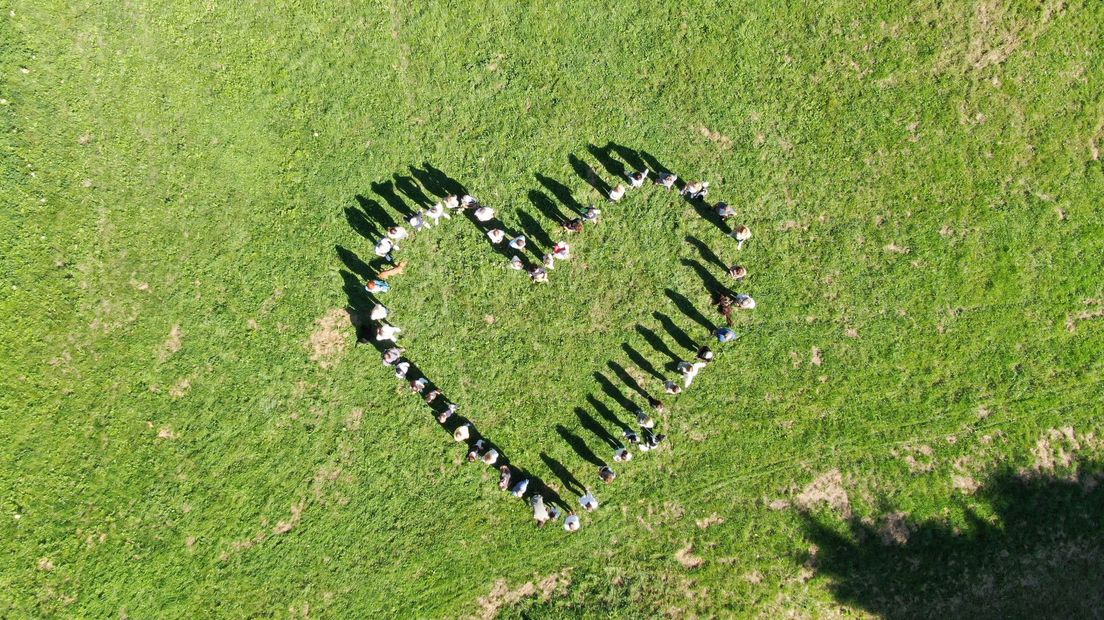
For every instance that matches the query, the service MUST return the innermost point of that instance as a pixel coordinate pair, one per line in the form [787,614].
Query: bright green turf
[209,149]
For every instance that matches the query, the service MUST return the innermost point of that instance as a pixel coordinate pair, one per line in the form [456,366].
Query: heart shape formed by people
[419,204]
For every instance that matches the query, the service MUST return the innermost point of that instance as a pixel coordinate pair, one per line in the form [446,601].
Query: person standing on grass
[391,356]
[436,212]
[462,432]
[636,179]
[561,251]
[622,455]
[588,501]
[520,488]
[467,201]
[476,451]
[496,235]
[571,523]
[725,211]
[606,474]
[452,202]
[705,354]
[590,216]
[689,371]
[517,263]
[484,214]
[387,333]
[742,234]
[574,225]
[671,387]
[696,190]
[490,457]
[376,286]
[504,477]
[651,441]
[383,249]
[725,334]
[666,180]
[379,312]
[447,413]
[737,272]
[617,193]
[538,274]
[518,243]
[418,385]
[401,369]
[643,419]
[397,234]
[417,221]
[745,302]
[540,512]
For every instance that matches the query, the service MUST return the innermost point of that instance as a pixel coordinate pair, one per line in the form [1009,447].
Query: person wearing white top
[517,263]
[490,457]
[636,179]
[397,233]
[622,455]
[571,523]
[387,333]
[401,369]
[496,235]
[468,200]
[462,432]
[391,356]
[617,193]
[518,243]
[417,221]
[745,302]
[742,234]
[561,251]
[520,487]
[379,312]
[383,249]
[667,180]
[540,511]
[452,202]
[588,501]
[436,212]
[689,371]
[484,214]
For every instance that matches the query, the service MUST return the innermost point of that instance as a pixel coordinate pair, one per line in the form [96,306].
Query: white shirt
[517,242]
[519,488]
[387,332]
[588,501]
[484,213]
[383,248]
[398,233]
[461,433]
[745,302]
[490,457]
[379,312]
[496,236]
[561,251]
[571,523]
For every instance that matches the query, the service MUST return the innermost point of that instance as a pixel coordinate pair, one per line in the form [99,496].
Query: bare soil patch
[328,340]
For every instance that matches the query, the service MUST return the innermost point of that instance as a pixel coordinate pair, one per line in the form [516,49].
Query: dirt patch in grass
[897,249]
[328,340]
[686,557]
[180,388]
[817,356]
[166,432]
[501,595]
[1094,310]
[826,489]
[711,520]
[172,344]
[716,137]
[352,421]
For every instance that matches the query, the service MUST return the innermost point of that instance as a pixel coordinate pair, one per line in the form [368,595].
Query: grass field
[189,428]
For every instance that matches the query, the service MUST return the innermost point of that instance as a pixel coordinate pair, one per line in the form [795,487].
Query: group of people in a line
[479,448]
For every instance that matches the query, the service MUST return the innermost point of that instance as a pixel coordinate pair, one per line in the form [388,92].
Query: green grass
[189,164]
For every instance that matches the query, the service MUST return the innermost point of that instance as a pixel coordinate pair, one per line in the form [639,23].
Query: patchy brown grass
[172,344]
[686,557]
[826,489]
[895,529]
[716,137]
[1094,310]
[711,520]
[328,340]
[501,595]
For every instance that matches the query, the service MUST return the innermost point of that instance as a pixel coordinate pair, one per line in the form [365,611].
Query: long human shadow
[360,223]
[569,481]
[547,207]
[607,414]
[1040,554]
[615,168]
[688,308]
[631,156]
[580,446]
[653,164]
[681,337]
[587,173]
[707,253]
[386,191]
[708,212]
[641,362]
[609,388]
[410,188]
[535,233]
[588,422]
[656,342]
[437,182]
[362,269]
[628,380]
[709,281]
[561,192]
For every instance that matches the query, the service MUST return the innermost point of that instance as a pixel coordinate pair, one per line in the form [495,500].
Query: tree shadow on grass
[1042,556]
